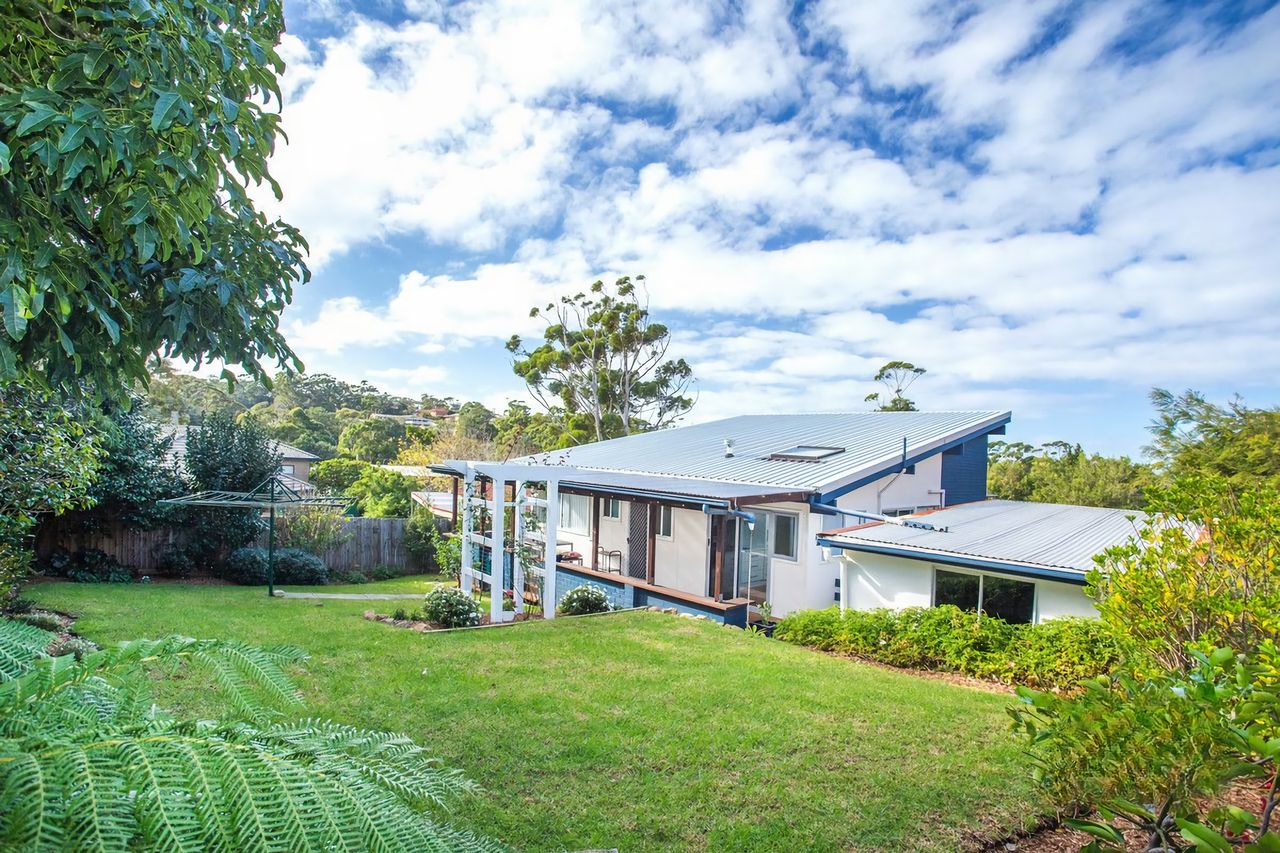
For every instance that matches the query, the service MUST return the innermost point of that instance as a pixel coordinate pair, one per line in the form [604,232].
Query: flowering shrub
[580,600]
[451,607]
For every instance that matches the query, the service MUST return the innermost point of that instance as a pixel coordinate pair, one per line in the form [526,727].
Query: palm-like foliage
[88,762]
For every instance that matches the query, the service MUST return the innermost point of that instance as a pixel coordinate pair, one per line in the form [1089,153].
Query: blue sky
[1053,207]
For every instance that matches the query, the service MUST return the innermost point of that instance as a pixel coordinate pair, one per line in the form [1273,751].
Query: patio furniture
[609,561]
[571,557]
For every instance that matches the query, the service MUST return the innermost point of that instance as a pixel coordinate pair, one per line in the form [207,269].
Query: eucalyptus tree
[896,377]
[130,134]
[603,361]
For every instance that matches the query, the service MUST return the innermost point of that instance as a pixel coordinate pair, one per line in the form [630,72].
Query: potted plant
[765,621]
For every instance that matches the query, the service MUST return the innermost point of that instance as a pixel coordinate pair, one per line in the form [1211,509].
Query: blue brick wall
[964,471]
[620,596]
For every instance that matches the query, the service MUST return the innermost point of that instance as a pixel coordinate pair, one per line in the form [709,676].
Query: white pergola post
[549,556]
[517,550]
[844,582]
[497,554]
[465,577]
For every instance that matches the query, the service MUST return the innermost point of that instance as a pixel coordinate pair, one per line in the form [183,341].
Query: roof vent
[728,448]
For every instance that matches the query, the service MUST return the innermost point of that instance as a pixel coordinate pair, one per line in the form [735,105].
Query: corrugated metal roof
[1059,536]
[872,442]
[661,485]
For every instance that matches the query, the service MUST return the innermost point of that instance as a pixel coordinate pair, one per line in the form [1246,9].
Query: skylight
[805,453]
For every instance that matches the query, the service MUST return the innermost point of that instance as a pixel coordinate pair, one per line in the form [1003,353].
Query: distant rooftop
[178,449]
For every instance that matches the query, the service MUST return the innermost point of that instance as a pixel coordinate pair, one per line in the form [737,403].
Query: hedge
[1054,654]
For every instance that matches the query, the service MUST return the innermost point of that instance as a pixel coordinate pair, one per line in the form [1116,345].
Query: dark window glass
[955,588]
[1010,600]
[784,536]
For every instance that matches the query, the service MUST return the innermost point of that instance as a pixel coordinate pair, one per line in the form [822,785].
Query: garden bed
[423,627]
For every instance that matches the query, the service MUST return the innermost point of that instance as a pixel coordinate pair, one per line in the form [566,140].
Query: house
[1023,562]
[722,517]
[295,463]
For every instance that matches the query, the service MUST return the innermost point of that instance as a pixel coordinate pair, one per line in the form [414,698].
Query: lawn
[638,730]
[419,584]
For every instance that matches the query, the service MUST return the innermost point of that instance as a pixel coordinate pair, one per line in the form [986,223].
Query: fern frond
[20,645]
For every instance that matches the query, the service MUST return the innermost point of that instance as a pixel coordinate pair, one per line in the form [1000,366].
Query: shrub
[348,576]
[177,562]
[448,553]
[419,539]
[451,607]
[399,614]
[19,605]
[584,599]
[315,529]
[93,565]
[246,566]
[295,566]
[1056,654]
[382,572]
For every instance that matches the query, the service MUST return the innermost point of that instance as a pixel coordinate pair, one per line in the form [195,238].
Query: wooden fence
[368,542]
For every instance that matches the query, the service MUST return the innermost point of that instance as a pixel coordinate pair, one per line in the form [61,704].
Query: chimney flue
[728,448]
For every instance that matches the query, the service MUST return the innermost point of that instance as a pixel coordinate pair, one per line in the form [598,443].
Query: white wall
[902,491]
[877,580]
[680,561]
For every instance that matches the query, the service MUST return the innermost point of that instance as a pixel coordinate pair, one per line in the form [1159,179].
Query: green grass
[420,584]
[636,730]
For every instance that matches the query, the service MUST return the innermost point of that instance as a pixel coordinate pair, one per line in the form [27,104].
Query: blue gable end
[964,471]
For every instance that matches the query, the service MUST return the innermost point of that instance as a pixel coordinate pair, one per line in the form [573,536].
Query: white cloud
[1015,218]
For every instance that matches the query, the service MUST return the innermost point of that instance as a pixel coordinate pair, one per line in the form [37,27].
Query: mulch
[427,627]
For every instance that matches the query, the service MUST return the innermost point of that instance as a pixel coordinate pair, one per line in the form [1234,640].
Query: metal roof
[649,485]
[871,442]
[1057,536]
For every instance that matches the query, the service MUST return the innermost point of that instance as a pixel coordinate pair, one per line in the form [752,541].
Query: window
[286,469]
[1004,598]
[664,522]
[612,508]
[805,453]
[900,511]
[575,513]
[784,536]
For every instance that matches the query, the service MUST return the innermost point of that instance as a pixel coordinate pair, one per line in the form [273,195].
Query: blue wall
[964,471]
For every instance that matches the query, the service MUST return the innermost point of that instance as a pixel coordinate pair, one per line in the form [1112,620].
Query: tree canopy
[1058,472]
[1192,436]
[129,132]
[603,363]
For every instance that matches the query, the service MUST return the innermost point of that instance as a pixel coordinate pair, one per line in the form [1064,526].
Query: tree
[603,362]
[372,440]
[130,131]
[520,431]
[1193,437]
[228,455]
[47,464]
[315,430]
[475,421]
[897,377]
[379,493]
[133,475]
[1058,472]
[89,762]
[335,476]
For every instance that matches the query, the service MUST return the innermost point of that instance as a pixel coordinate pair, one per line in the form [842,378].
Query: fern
[88,762]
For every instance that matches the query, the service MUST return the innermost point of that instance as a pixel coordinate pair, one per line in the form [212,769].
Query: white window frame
[566,516]
[667,512]
[286,468]
[611,502]
[959,570]
[773,537]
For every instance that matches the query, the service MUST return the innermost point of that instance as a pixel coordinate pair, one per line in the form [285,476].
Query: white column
[549,556]
[517,564]
[844,582]
[497,556]
[465,578]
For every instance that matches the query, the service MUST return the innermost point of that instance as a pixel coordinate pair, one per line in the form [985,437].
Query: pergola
[270,494]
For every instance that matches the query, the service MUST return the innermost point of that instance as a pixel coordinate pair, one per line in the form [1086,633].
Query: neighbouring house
[295,463]
[722,517]
[1020,561]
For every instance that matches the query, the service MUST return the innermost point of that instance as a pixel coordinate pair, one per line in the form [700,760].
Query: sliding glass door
[753,560]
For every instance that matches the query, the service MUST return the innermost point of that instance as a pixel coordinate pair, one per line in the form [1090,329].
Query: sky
[1053,207]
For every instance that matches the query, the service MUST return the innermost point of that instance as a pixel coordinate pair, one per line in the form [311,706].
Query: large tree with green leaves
[129,133]
[1058,472]
[896,377]
[1194,437]
[603,362]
